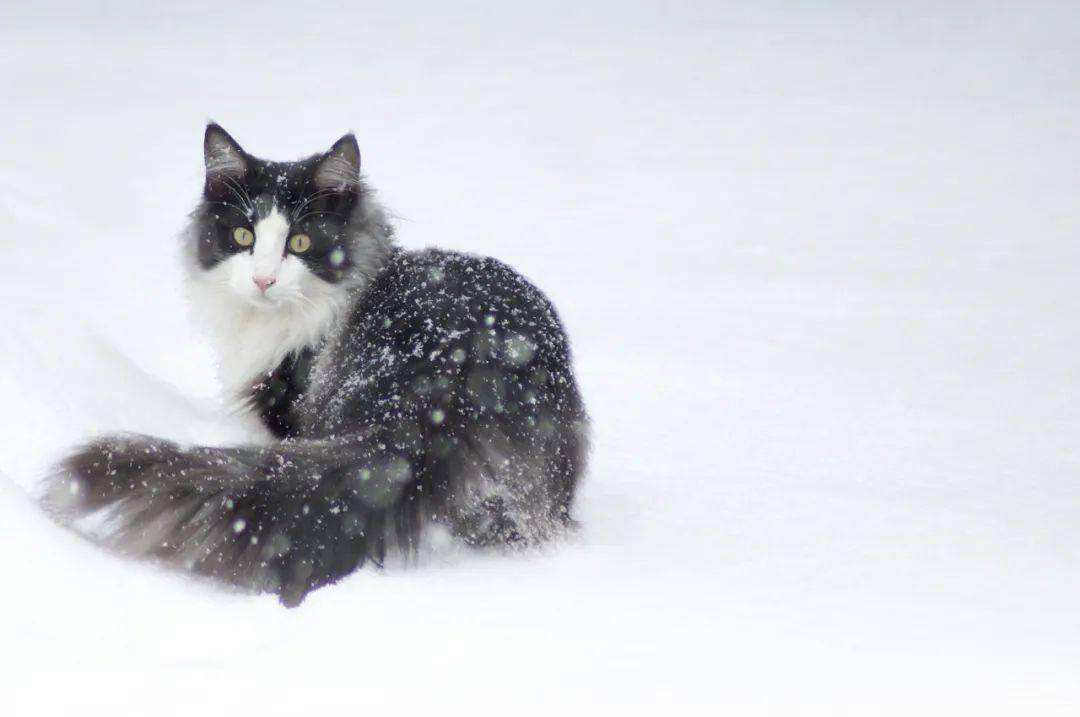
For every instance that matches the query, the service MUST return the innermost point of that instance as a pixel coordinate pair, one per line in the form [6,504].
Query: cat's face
[278,234]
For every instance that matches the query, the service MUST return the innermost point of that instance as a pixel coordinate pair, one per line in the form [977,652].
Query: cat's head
[275,235]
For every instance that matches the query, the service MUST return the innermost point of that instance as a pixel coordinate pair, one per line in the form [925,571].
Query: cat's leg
[504,493]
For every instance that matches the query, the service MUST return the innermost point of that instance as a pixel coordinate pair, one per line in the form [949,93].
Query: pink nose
[263,282]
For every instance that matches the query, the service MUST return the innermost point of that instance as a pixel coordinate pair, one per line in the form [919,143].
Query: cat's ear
[223,156]
[339,169]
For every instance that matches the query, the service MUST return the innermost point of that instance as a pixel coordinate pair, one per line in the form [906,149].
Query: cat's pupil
[243,236]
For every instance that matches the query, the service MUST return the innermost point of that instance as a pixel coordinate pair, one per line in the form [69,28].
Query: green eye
[299,243]
[243,236]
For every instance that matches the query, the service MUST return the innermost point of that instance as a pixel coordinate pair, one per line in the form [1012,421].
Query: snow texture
[819,266]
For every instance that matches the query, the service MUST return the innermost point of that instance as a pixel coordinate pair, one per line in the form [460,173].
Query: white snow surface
[819,263]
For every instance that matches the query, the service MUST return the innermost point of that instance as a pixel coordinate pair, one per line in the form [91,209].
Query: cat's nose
[263,282]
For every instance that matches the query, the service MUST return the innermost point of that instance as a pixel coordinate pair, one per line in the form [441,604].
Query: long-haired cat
[406,389]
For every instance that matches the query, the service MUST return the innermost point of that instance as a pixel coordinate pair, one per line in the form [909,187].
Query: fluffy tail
[286,518]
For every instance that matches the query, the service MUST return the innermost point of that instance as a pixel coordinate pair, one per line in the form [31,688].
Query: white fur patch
[269,250]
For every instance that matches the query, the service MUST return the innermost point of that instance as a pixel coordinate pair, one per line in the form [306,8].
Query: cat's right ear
[224,157]
[339,169]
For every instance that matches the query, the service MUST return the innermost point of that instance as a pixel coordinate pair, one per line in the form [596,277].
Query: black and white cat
[407,389]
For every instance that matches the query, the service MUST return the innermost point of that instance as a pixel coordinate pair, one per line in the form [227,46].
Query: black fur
[445,395]
[276,396]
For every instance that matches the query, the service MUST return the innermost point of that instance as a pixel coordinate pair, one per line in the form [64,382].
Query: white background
[819,263]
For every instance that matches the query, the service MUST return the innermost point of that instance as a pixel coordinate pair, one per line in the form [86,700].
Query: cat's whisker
[242,189]
[304,203]
[229,204]
[240,193]
[316,214]
[229,185]
[308,200]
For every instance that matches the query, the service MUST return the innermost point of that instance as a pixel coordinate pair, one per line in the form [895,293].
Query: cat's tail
[285,518]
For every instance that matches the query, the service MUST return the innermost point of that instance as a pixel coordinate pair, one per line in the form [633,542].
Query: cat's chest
[251,349]
[263,353]
[251,344]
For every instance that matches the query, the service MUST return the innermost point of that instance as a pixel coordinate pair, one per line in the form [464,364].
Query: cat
[404,390]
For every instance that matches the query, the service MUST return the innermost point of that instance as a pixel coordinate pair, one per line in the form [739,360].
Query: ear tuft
[339,169]
[222,154]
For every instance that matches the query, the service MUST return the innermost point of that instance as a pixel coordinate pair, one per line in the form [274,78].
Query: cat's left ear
[339,169]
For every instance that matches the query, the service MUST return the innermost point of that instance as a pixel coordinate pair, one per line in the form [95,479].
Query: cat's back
[431,295]
[437,315]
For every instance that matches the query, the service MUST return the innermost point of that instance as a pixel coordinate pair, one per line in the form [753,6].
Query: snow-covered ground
[819,263]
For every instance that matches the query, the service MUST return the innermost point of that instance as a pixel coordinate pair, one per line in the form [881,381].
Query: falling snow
[818,263]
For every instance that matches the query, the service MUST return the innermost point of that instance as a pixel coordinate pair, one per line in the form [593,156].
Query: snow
[819,265]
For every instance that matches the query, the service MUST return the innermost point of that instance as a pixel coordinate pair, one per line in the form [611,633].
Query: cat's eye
[243,236]
[300,243]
